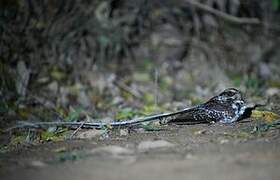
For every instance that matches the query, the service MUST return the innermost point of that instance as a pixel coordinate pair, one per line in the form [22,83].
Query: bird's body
[227,107]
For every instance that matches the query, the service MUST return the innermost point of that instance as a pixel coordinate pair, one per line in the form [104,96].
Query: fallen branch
[73,134]
[228,17]
[93,125]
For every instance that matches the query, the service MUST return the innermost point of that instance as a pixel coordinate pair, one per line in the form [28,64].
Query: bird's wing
[194,115]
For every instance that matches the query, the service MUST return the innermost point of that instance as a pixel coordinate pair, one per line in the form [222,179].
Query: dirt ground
[202,151]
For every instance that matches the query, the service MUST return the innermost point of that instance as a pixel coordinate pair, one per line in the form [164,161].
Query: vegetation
[77,59]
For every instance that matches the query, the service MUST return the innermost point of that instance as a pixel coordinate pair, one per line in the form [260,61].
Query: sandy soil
[195,152]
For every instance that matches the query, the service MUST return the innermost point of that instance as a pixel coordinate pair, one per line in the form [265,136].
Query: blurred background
[64,60]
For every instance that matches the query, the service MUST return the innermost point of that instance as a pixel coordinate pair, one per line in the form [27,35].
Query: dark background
[118,58]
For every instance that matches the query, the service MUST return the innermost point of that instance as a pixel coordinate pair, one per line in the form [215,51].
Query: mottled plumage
[227,107]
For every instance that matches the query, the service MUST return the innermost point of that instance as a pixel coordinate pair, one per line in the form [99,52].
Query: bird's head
[231,94]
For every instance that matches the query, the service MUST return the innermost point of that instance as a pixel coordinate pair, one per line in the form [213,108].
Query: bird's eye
[228,94]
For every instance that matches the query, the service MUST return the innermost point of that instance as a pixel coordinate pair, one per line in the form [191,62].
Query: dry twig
[223,15]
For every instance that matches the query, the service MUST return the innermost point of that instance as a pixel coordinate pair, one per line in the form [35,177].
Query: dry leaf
[265,115]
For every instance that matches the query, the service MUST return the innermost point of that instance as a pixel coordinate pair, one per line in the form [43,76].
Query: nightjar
[227,107]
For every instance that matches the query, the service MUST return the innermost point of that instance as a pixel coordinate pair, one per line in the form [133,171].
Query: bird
[227,107]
